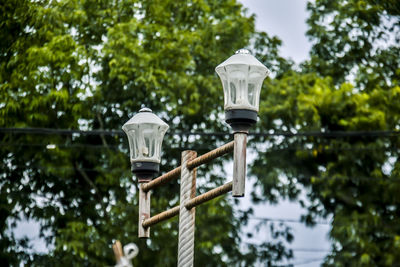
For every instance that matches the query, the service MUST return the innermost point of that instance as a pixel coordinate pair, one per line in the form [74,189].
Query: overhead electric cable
[288,220]
[187,133]
[273,149]
[294,249]
[366,178]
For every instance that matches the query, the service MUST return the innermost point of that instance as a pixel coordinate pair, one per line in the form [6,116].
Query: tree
[355,38]
[351,83]
[91,65]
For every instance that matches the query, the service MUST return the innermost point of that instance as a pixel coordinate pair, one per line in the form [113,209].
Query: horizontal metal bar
[216,192]
[213,154]
[165,215]
[162,179]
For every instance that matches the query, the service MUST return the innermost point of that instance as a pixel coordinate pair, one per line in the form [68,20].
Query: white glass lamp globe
[145,133]
[242,76]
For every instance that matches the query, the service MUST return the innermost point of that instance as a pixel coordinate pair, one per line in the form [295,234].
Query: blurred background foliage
[91,64]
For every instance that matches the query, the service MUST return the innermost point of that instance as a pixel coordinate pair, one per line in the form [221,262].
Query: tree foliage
[350,83]
[91,65]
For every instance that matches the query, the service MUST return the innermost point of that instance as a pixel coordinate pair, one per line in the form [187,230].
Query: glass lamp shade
[242,76]
[145,133]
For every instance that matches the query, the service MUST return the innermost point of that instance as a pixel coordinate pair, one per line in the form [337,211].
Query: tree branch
[90,182]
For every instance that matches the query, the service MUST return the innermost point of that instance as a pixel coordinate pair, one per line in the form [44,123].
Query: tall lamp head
[242,76]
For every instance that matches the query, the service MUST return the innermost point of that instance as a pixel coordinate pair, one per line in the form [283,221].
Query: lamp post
[242,76]
[145,133]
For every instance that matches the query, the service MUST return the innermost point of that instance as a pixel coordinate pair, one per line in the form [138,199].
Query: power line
[187,133]
[294,249]
[381,179]
[288,220]
[60,131]
[325,223]
[310,250]
[374,179]
[306,261]
[73,145]
[116,147]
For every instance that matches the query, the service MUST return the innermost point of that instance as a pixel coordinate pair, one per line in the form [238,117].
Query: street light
[145,133]
[242,76]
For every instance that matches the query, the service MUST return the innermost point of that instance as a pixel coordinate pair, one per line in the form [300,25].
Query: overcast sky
[285,19]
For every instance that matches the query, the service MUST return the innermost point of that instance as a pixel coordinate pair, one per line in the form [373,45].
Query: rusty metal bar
[162,179]
[213,154]
[209,156]
[165,215]
[216,192]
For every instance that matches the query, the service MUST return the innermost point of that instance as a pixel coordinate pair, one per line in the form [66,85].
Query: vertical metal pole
[144,211]
[117,248]
[186,217]
[239,164]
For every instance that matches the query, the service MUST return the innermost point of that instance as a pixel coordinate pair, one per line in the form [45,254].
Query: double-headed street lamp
[242,76]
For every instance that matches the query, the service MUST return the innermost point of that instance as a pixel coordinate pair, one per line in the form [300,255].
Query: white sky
[285,19]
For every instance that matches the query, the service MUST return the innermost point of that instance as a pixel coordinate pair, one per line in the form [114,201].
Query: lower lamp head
[145,171]
[241,120]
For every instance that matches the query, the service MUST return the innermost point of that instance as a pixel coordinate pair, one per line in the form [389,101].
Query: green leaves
[348,176]
[351,35]
[349,84]
[91,64]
